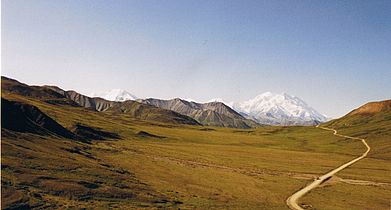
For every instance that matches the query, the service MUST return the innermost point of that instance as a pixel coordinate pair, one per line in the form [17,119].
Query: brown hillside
[372,108]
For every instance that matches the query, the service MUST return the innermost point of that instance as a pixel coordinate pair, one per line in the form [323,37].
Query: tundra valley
[62,149]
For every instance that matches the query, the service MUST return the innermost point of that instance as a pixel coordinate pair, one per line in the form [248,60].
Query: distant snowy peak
[279,109]
[116,95]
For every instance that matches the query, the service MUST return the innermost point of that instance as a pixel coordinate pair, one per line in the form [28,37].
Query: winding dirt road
[293,199]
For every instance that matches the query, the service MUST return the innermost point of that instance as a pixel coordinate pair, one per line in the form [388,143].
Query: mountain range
[266,109]
[175,111]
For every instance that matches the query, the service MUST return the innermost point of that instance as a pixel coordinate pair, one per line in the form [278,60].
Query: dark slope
[22,117]
[43,93]
[54,95]
[214,113]
[92,133]
[13,86]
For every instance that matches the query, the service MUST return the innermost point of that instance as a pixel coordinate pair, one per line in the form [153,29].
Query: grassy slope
[210,167]
[46,172]
[376,129]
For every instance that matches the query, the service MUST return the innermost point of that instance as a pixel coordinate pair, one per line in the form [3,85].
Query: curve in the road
[292,201]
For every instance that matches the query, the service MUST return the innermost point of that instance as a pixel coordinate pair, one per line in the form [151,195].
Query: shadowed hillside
[27,118]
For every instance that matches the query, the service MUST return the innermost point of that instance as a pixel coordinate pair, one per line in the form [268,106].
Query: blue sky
[335,55]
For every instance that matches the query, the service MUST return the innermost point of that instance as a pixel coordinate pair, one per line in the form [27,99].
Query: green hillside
[372,121]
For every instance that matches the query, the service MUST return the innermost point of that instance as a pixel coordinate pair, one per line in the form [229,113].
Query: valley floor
[192,167]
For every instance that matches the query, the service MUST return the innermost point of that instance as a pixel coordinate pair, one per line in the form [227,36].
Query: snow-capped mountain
[279,109]
[115,95]
[267,108]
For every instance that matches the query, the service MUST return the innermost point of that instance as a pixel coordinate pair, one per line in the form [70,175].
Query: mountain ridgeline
[58,97]
[211,114]
[96,103]
[371,115]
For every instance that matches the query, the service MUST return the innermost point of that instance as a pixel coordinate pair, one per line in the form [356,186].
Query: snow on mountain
[190,100]
[279,109]
[267,108]
[115,95]
[221,100]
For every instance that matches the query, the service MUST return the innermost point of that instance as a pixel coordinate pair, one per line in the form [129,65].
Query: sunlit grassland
[268,163]
[341,196]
